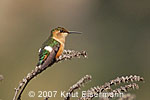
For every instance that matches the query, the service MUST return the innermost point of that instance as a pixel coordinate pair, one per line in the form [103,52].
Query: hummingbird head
[60,33]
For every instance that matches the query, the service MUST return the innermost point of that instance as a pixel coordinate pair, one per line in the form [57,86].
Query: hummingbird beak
[74,32]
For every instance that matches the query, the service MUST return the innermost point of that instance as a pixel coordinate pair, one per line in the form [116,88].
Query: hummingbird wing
[48,52]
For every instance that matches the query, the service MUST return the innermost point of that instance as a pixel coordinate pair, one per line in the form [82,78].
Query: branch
[95,91]
[78,85]
[120,91]
[67,55]
[107,86]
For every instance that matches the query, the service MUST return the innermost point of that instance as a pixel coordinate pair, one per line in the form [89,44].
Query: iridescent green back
[49,42]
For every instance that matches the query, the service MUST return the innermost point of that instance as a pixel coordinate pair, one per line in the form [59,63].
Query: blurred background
[116,35]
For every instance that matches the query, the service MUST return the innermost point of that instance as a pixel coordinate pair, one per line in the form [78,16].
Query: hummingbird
[53,47]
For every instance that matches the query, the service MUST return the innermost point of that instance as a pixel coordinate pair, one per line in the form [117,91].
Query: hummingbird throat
[60,40]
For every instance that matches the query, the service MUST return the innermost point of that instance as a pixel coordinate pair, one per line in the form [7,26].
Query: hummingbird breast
[60,51]
[62,45]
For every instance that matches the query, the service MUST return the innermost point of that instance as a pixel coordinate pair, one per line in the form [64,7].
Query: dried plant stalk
[78,85]
[67,54]
[119,92]
[107,86]
[124,89]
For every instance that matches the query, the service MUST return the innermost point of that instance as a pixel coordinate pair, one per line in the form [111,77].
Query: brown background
[116,35]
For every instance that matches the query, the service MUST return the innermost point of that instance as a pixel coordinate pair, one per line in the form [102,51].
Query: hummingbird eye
[61,31]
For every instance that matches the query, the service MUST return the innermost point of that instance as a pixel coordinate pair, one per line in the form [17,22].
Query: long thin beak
[74,32]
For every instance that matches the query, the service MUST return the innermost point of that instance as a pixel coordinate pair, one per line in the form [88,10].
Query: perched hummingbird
[53,47]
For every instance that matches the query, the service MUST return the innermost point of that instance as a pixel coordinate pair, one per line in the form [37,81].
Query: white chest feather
[48,48]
